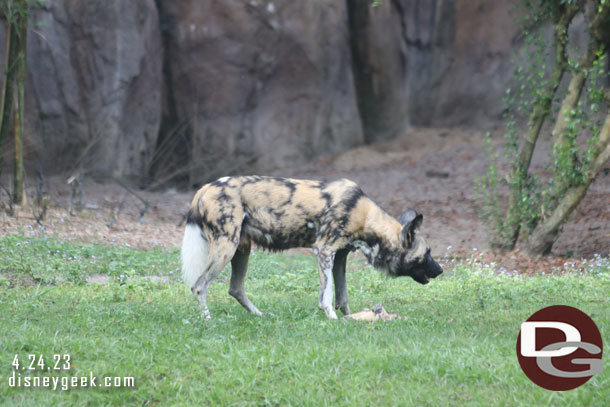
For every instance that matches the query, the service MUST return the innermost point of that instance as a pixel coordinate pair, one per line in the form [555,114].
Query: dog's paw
[330,313]
[344,309]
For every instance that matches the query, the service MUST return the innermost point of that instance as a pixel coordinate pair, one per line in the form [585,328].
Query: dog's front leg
[326,258]
[341,301]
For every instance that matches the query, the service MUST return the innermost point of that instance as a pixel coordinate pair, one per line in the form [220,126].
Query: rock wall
[459,61]
[259,84]
[431,62]
[93,84]
[198,89]
[380,68]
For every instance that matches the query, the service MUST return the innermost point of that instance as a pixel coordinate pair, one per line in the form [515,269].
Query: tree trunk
[577,83]
[19,196]
[542,239]
[571,99]
[537,118]
[6,105]
[542,108]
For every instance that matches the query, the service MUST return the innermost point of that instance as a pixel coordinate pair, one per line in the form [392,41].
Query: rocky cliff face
[94,76]
[380,68]
[201,89]
[259,84]
[460,59]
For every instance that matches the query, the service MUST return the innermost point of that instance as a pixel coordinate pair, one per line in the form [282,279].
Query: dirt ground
[431,170]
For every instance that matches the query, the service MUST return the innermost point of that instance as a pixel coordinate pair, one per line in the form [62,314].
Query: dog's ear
[411,221]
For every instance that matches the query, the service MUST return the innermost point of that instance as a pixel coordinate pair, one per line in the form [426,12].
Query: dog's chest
[370,251]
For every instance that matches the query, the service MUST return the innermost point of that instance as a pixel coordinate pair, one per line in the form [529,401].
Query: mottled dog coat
[334,218]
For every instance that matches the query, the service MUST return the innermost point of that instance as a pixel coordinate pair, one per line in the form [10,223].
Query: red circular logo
[559,348]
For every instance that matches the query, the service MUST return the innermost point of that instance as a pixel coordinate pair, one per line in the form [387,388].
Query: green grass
[456,346]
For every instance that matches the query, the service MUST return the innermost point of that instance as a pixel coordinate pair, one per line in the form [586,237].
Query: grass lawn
[455,347]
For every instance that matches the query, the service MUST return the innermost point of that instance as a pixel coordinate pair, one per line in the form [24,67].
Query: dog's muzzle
[430,269]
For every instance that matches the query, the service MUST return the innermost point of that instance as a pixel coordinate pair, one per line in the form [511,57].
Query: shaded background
[159,91]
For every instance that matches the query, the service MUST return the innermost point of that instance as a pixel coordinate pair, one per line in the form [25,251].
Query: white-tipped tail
[195,250]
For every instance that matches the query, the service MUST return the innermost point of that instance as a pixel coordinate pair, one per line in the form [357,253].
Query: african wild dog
[334,218]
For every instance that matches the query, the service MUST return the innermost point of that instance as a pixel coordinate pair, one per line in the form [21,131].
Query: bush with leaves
[516,203]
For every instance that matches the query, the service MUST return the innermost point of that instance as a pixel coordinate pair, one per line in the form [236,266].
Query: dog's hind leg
[239,268]
[326,258]
[341,301]
[220,254]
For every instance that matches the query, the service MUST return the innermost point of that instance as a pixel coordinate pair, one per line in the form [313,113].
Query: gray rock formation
[380,67]
[459,59]
[94,75]
[259,84]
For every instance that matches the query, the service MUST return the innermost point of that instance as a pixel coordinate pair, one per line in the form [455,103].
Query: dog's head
[413,259]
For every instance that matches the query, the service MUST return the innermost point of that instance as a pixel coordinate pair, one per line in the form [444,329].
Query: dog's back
[275,213]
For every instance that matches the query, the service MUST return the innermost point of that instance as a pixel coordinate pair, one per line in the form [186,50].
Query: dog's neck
[384,227]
